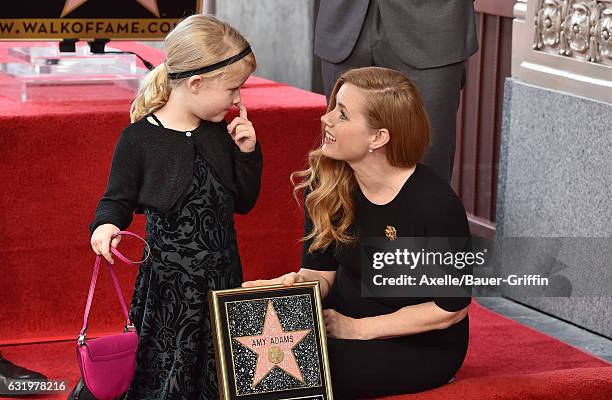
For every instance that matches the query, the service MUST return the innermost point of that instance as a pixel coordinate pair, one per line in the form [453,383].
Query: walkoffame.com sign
[92,19]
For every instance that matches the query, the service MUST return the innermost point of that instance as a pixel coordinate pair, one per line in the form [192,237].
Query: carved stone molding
[579,29]
[565,45]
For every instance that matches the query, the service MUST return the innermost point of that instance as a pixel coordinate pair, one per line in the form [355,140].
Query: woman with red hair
[367,180]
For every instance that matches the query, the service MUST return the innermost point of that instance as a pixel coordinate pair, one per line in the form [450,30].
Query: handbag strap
[94,278]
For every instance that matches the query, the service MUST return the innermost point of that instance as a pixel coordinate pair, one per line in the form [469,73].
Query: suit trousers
[440,87]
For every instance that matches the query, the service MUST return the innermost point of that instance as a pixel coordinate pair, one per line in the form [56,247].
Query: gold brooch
[390,232]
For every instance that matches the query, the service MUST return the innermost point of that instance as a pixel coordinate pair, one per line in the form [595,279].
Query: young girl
[188,171]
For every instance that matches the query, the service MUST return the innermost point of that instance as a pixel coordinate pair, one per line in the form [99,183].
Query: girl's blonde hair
[195,42]
[393,102]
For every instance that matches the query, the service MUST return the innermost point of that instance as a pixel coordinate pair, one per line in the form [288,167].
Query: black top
[153,167]
[425,206]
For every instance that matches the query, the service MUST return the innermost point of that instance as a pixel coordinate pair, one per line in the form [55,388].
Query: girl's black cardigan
[153,166]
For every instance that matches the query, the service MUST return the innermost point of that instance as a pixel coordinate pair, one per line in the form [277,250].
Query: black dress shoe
[80,392]
[10,372]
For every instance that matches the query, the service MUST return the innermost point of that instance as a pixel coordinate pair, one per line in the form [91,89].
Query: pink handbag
[107,363]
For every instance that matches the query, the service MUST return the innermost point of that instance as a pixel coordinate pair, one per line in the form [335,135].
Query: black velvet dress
[193,250]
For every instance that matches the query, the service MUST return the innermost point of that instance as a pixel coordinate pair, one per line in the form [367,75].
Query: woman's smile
[329,138]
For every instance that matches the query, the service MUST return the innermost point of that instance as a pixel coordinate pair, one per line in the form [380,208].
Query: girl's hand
[340,326]
[242,132]
[286,280]
[101,241]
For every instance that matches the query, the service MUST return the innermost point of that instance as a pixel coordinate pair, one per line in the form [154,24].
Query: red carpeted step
[56,159]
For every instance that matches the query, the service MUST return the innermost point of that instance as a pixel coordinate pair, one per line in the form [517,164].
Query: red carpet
[55,159]
[506,360]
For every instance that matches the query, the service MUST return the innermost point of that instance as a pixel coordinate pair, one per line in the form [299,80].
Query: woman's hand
[101,241]
[242,132]
[286,280]
[340,326]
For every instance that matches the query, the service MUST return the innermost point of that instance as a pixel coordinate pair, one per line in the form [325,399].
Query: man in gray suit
[428,40]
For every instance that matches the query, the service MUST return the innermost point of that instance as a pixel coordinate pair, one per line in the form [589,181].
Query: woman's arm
[409,320]
[325,279]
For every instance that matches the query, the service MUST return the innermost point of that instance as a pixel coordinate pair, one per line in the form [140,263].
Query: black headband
[212,67]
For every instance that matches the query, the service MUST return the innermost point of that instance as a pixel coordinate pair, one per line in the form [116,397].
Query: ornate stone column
[556,152]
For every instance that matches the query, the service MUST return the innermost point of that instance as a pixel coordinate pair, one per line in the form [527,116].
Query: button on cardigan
[152,167]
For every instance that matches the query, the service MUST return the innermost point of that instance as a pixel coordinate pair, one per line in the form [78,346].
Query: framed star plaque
[270,343]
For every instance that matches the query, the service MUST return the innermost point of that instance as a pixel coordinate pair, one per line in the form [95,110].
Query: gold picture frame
[270,343]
